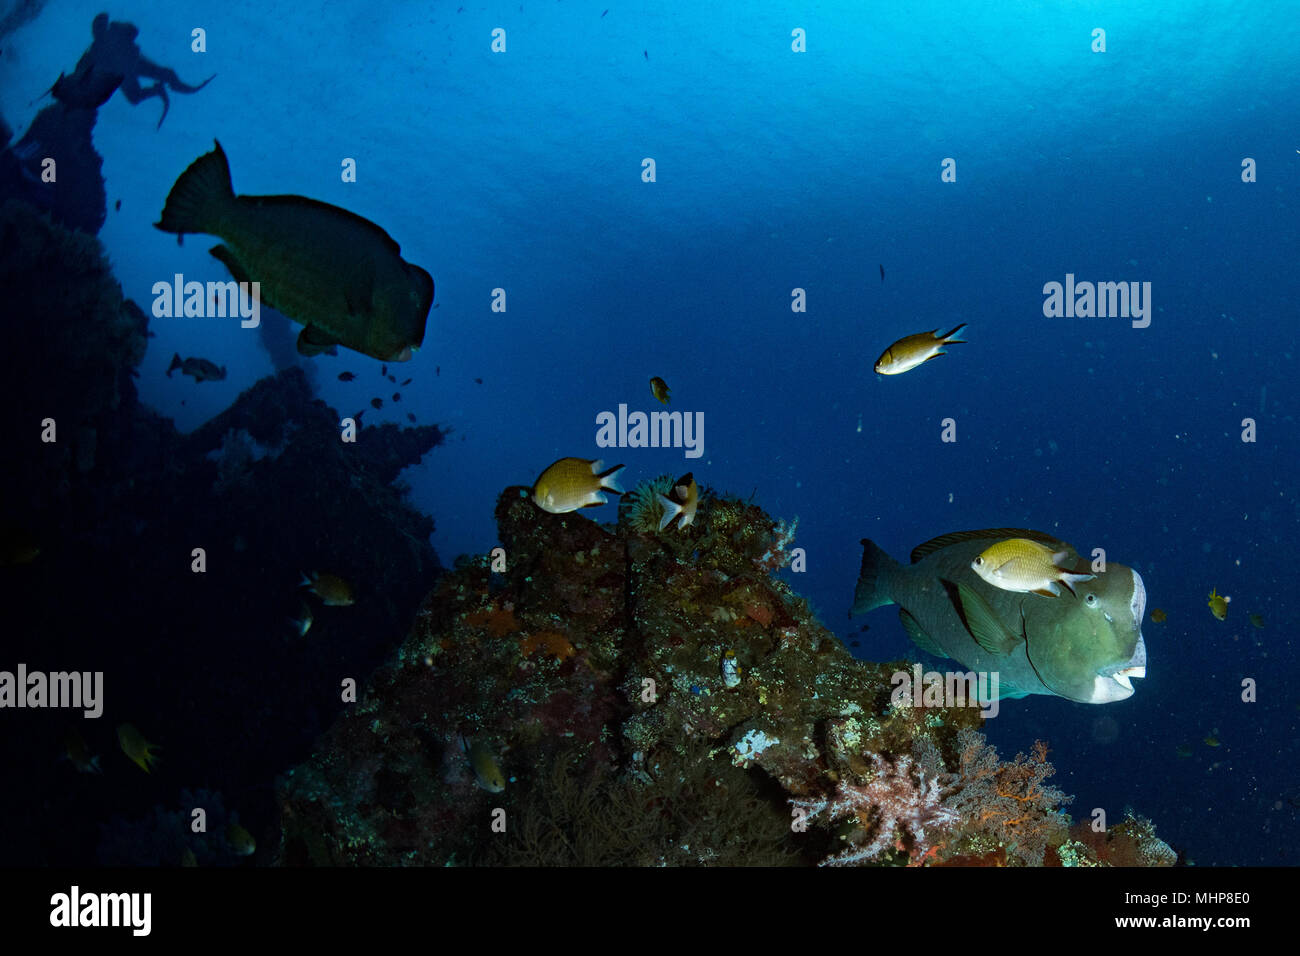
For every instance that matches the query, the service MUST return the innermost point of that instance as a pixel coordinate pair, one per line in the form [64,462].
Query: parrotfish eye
[1092,600]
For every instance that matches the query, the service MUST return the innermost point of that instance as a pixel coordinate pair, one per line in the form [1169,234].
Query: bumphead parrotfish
[1084,647]
[338,274]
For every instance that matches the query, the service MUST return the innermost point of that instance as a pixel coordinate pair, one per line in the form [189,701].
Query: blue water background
[778,171]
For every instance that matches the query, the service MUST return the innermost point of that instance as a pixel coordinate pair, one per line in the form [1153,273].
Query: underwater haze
[753,202]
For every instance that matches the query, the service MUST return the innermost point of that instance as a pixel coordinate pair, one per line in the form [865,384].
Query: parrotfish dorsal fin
[983,624]
[991,534]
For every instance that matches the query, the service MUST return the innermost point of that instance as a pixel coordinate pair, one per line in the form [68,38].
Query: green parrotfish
[340,275]
[1082,647]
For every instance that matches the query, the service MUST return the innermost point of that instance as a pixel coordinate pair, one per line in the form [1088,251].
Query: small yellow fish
[573,483]
[487,772]
[1212,741]
[136,747]
[1021,565]
[907,353]
[682,500]
[1257,620]
[240,840]
[1218,604]
[78,754]
[659,389]
[330,588]
[1158,616]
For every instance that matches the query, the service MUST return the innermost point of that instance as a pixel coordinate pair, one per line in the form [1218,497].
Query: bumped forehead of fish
[1091,650]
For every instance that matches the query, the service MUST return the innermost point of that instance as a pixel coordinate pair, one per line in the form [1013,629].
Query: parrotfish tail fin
[949,340]
[176,363]
[873,590]
[671,510]
[200,195]
[609,479]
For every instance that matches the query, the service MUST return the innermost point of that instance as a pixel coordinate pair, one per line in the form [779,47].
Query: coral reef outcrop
[652,698]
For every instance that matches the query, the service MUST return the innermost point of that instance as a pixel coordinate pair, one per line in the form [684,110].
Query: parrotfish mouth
[1135,666]
[1115,683]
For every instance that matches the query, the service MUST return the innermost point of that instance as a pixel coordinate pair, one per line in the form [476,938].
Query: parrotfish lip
[1116,683]
[1122,677]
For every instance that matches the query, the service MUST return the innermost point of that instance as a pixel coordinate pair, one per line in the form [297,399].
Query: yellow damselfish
[907,353]
[1018,564]
[333,590]
[682,500]
[487,771]
[240,840]
[141,751]
[1218,604]
[573,483]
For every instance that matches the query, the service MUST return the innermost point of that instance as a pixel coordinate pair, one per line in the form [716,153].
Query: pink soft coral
[897,798]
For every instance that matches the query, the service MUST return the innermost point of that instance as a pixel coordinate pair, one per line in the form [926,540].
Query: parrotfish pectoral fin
[1009,691]
[983,624]
[313,341]
[227,258]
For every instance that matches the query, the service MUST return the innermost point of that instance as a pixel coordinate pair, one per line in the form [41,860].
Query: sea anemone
[645,510]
